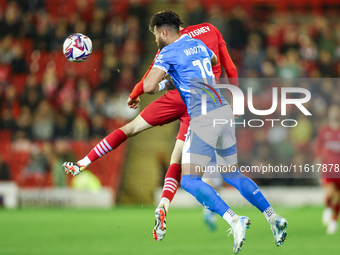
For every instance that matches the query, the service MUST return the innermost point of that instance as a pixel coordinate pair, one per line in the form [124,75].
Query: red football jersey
[327,147]
[209,35]
[213,39]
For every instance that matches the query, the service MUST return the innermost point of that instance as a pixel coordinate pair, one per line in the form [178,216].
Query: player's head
[166,27]
[334,114]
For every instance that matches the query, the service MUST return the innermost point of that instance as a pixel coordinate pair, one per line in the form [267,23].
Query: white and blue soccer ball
[77,47]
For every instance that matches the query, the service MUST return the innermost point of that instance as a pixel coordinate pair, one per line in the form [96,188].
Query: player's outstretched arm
[150,84]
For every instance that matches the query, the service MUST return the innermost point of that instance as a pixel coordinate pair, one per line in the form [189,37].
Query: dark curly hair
[165,18]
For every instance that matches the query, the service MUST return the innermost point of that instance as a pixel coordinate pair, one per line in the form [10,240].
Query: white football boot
[73,168]
[239,226]
[160,223]
[327,216]
[332,227]
[278,225]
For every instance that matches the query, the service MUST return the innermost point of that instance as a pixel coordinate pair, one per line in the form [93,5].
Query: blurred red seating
[5,70]
[17,163]
[19,82]
[5,147]
[27,45]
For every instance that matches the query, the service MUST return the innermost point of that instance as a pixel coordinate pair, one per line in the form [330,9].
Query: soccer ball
[77,47]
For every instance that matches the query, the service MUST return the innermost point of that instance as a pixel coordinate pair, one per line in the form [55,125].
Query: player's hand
[133,103]
[237,116]
[169,85]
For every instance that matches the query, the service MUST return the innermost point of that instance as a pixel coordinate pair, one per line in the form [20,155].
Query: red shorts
[326,181]
[166,109]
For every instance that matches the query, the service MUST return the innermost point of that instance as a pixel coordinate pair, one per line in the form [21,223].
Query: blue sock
[248,189]
[204,193]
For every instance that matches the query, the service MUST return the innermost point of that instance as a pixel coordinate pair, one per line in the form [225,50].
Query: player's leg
[109,143]
[197,153]
[210,199]
[171,182]
[214,179]
[172,178]
[334,193]
[330,190]
[156,113]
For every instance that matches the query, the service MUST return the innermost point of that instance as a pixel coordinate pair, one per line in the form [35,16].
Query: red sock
[328,202]
[109,143]
[336,211]
[171,181]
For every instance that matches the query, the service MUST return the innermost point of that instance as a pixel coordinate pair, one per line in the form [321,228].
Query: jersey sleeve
[166,58]
[220,40]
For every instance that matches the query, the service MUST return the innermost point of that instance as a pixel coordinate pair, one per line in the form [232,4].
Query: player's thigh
[164,110]
[176,156]
[226,149]
[135,126]
[329,187]
[196,154]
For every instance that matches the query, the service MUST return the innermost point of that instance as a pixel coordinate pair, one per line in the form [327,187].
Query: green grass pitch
[128,230]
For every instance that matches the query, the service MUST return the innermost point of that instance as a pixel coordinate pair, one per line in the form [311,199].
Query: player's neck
[174,38]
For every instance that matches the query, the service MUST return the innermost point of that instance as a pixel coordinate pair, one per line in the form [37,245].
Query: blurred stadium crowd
[45,98]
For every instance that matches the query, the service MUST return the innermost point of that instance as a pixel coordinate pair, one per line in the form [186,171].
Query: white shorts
[206,137]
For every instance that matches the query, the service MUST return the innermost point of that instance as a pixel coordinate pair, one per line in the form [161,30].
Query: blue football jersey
[188,62]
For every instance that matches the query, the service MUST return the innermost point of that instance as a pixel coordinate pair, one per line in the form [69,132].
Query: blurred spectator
[43,122]
[24,122]
[4,171]
[195,12]
[43,34]
[59,36]
[97,129]
[98,104]
[62,153]
[50,82]
[116,30]
[290,40]
[28,29]
[10,22]
[38,164]
[216,17]
[32,94]
[18,63]
[80,129]
[97,34]
[237,30]
[253,55]
[325,64]
[290,67]
[6,52]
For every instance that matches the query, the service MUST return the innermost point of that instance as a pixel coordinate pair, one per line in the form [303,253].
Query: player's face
[159,35]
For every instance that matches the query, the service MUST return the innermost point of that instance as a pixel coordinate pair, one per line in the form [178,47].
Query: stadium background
[52,110]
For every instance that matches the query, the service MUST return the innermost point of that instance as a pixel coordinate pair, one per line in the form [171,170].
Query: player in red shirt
[327,151]
[166,109]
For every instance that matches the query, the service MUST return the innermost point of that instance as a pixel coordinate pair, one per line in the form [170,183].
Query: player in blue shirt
[189,63]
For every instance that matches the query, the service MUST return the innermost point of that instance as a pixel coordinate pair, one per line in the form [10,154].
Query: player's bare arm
[214,60]
[150,84]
